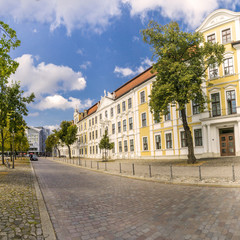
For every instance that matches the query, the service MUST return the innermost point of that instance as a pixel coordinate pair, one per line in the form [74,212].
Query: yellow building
[125,113]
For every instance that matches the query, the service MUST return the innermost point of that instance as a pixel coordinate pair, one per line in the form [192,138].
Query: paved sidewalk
[224,172]
[19,210]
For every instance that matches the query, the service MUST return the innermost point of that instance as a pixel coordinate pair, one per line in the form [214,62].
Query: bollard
[120,168]
[233,173]
[97,165]
[133,169]
[105,166]
[200,174]
[150,171]
[171,172]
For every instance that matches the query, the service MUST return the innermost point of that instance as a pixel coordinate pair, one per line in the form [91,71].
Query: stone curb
[47,227]
[200,184]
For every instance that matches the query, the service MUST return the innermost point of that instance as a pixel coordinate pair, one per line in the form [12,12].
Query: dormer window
[226,35]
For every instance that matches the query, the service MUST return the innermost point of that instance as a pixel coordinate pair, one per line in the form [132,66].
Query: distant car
[33,157]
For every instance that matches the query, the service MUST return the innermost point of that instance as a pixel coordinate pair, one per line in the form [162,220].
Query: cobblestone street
[19,212]
[86,205]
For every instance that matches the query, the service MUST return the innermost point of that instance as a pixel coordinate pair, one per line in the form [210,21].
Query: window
[124,125]
[85,138]
[196,107]
[85,150]
[168,115]
[226,35]
[96,120]
[228,66]
[93,149]
[100,116]
[142,97]
[123,106]
[96,149]
[158,141]
[106,129]
[96,134]
[130,120]
[89,136]
[198,137]
[145,143]
[106,114]
[120,146]
[119,127]
[213,70]
[183,139]
[85,126]
[168,140]
[157,120]
[113,149]
[129,103]
[93,135]
[125,146]
[231,102]
[131,145]
[93,121]
[144,120]
[89,122]
[216,109]
[113,128]
[90,150]
[111,112]
[211,38]
[118,108]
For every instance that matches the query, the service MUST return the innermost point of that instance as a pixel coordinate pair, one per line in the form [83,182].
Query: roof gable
[217,18]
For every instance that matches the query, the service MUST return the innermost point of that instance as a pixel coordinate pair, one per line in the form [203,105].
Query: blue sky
[71,51]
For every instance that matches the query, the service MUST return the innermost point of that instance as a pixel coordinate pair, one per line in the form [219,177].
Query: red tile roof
[134,82]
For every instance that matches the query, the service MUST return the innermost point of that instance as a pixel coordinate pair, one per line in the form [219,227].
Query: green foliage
[12,103]
[182,59]
[67,134]
[51,142]
[105,144]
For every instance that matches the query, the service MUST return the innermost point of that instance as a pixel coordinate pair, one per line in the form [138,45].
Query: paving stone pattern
[89,205]
[19,213]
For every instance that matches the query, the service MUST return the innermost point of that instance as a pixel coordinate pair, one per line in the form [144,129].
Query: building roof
[126,87]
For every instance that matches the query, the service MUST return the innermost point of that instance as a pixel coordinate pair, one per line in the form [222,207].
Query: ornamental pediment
[216,18]
[105,101]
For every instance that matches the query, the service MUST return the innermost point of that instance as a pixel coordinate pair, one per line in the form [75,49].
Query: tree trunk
[58,152]
[191,157]
[69,151]
[2,146]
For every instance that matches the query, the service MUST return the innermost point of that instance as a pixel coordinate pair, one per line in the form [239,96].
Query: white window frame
[141,97]
[142,119]
[226,56]
[216,40]
[225,28]
[227,89]
[143,143]
[158,134]
[166,140]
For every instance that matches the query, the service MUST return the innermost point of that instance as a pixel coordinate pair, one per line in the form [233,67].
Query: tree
[105,144]
[21,142]
[182,59]
[12,103]
[52,141]
[67,134]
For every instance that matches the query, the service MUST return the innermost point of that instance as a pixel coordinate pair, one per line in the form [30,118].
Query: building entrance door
[227,142]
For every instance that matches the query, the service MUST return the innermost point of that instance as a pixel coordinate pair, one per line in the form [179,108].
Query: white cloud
[191,12]
[85,65]
[35,114]
[59,102]
[93,14]
[80,51]
[126,72]
[97,15]
[46,79]
[52,127]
